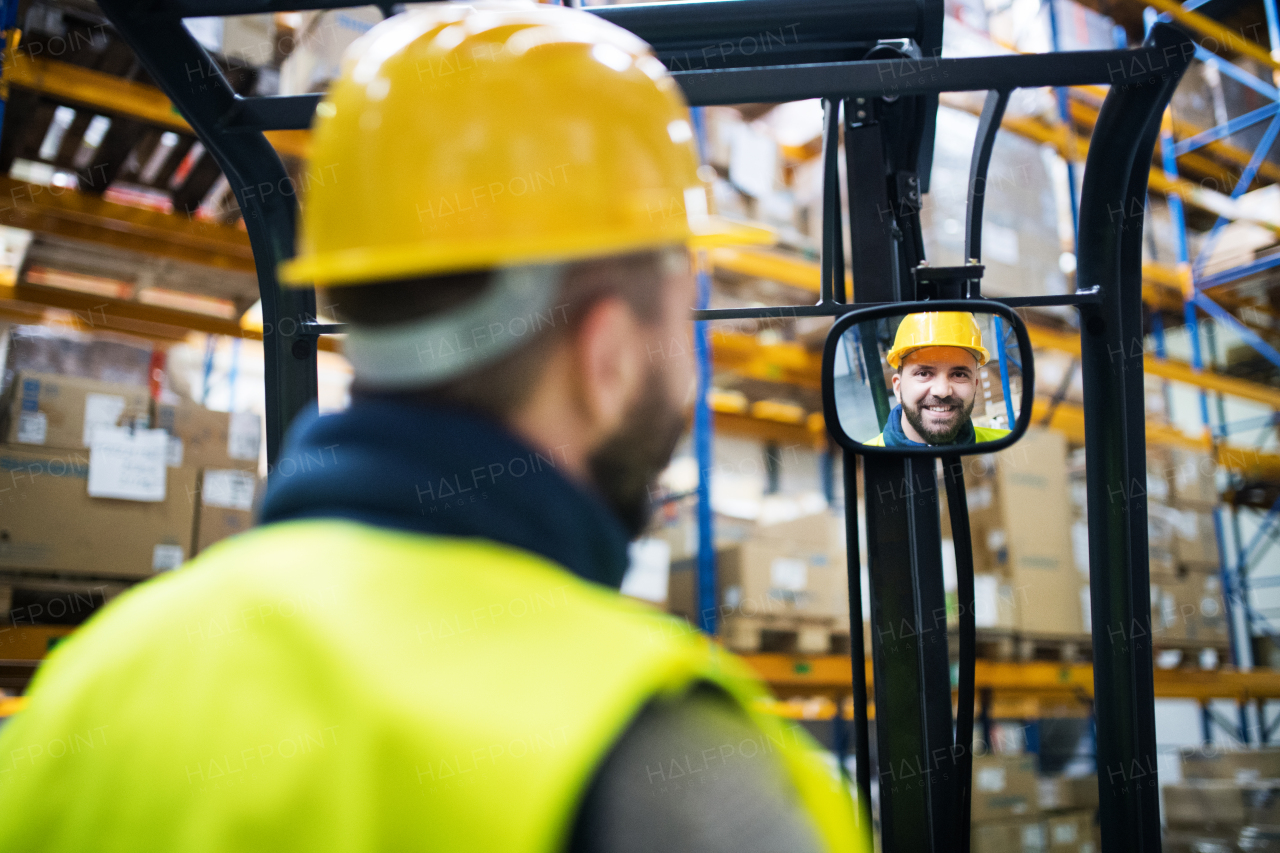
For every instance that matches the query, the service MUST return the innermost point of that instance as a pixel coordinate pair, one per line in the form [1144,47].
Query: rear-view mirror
[928,378]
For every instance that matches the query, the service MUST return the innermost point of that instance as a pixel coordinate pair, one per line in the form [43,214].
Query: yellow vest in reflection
[331,686]
[980,434]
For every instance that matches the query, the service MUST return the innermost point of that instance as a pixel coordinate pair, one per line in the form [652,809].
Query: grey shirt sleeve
[693,774]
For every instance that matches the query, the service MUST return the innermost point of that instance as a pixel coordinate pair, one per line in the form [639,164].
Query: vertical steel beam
[703,437]
[1110,244]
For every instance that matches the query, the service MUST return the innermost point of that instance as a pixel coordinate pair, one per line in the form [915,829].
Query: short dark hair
[500,387]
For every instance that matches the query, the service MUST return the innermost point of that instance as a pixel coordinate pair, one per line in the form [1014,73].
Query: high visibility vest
[980,434]
[324,685]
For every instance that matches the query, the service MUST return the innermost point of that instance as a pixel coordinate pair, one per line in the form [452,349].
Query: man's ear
[897,380]
[607,348]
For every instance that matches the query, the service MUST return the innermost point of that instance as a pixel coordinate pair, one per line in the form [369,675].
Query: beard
[625,468]
[946,434]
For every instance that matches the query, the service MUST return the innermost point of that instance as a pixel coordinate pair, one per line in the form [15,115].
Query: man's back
[325,685]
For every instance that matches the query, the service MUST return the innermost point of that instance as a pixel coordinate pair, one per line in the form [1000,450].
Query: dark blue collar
[444,472]
[894,436]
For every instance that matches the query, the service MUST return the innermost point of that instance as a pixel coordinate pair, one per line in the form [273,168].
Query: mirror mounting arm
[963,282]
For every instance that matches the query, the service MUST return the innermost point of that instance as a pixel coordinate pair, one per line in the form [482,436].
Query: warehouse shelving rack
[831,61]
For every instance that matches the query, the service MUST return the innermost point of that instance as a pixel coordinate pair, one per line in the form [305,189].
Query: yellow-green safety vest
[325,685]
[980,434]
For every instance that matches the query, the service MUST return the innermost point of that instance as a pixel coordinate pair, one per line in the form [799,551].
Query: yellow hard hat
[462,138]
[937,329]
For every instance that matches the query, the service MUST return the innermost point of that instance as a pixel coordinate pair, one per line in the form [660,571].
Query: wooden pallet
[1191,653]
[792,635]
[1025,646]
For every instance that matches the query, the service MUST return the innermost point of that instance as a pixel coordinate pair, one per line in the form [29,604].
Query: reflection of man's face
[937,387]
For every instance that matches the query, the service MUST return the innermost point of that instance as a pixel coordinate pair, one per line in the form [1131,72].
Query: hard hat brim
[895,357]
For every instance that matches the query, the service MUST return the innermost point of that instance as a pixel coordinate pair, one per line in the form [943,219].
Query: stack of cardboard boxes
[1017,811]
[1186,587]
[88,487]
[1025,579]
[1186,590]
[223,448]
[1225,800]
[784,584]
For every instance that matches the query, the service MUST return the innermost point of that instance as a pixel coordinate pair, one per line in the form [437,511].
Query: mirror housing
[837,402]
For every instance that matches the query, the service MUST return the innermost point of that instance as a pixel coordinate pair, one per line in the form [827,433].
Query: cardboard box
[1020,517]
[1025,835]
[104,356]
[49,523]
[1193,478]
[1189,606]
[206,439]
[1221,802]
[1237,765]
[1196,539]
[225,506]
[43,409]
[995,602]
[1070,832]
[1058,793]
[1004,786]
[761,579]
[1177,840]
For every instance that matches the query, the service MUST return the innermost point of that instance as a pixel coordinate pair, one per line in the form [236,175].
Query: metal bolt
[862,113]
[862,100]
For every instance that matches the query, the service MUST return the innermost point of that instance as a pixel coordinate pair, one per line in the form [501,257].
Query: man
[935,356]
[422,647]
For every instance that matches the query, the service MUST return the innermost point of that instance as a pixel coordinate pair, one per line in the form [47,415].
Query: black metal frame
[877,61]
[862,315]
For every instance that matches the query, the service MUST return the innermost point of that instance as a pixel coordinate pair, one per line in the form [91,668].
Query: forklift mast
[878,67]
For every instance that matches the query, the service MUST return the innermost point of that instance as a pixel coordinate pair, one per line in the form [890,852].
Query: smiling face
[937,387]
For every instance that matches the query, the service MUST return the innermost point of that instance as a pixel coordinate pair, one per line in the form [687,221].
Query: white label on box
[126,465]
[1188,528]
[986,592]
[33,428]
[1080,546]
[244,435]
[228,489]
[990,779]
[1033,837]
[753,161]
[1064,833]
[166,557]
[173,456]
[789,573]
[650,569]
[100,410]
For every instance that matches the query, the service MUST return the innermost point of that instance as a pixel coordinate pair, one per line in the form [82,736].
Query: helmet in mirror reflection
[937,329]
[460,138]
